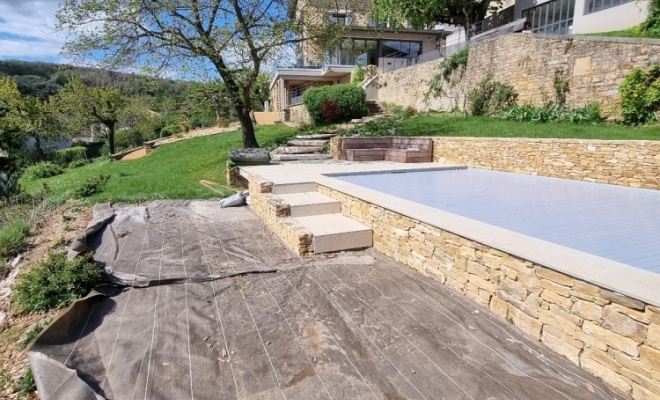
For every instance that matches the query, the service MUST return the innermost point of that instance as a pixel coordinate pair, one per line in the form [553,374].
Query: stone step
[298,187]
[307,204]
[307,143]
[297,150]
[336,232]
[300,157]
[317,136]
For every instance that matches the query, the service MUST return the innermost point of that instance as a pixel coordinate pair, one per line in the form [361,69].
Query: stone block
[623,325]
[641,393]
[621,299]
[612,339]
[514,288]
[587,310]
[483,284]
[650,357]
[554,276]
[606,374]
[499,307]
[553,287]
[554,298]
[477,269]
[561,347]
[653,336]
[524,322]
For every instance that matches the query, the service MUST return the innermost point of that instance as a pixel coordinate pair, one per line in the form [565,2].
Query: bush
[65,156]
[128,139]
[12,237]
[652,23]
[56,282]
[90,186]
[640,96]
[78,163]
[590,113]
[358,75]
[457,62]
[33,333]
[223,122]
[184,126]
[25,384]
[410,111]
[170,130]
[42,170]
[490,97]
[331,110]
[352,101]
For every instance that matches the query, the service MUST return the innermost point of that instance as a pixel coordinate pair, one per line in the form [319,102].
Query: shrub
[652,23]
[640,96]
[12,237]
[128,139]
[590,113]
[33,333]
[331,110]
[377,128]
[490,97]
[78,163]
[223,122]
[454,63]
[65,156]
[170,130]
[56,282]
[358,75]
[25,384]
[410,111]
[42,170]
[90,186]
[184,126]
[352,101]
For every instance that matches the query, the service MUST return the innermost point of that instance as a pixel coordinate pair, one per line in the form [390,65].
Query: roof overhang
[311,73]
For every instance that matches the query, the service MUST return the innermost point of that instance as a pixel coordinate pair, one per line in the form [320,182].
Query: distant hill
[41,79]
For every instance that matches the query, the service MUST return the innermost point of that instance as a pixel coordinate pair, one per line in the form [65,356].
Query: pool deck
[616,276]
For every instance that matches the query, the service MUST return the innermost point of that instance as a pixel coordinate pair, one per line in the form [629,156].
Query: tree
[37,118]
[235,37]
[420,13]
[85,106]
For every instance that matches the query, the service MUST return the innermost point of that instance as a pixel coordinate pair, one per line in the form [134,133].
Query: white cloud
[27,30]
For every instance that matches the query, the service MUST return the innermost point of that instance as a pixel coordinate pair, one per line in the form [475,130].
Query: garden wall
[619,162]
[614,337]
[298,114]
[594,67]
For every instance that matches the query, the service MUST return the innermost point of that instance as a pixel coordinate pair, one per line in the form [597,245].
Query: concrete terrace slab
[611,274]
[348,326]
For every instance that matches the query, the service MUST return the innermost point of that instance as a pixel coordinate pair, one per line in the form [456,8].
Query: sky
[27,30]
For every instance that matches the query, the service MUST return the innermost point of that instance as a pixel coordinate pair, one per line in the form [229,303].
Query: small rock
[223,353]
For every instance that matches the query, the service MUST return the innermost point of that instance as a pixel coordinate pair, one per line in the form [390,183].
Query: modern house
[364,42]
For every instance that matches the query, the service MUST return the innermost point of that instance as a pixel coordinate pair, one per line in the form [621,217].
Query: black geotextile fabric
[220,309]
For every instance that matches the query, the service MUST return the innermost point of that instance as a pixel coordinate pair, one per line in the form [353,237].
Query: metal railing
[296,94]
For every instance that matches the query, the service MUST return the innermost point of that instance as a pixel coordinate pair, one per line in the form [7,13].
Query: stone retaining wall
[619,162]
[593,66]
[274,213]
[628,163]
[614,337]
[298,114]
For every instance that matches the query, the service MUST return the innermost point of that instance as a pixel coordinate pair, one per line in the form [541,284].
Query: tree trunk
[249,139]
[41,155]
[111,137]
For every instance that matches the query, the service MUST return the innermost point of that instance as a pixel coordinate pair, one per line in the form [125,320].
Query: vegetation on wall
[651,25]
[490,97]
[640,96]
[450,73]
[351,99]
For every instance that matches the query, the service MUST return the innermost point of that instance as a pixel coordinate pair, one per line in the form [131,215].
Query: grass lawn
[457,125]
[628,33]
[172,171]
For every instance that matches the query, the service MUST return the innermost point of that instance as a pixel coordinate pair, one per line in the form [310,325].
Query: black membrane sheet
[208,304]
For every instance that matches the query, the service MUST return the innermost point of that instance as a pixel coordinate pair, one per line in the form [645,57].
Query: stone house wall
[614,337]
[619,162]
[593,66]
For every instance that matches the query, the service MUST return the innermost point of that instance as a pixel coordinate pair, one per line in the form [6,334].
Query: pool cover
[208,304]
[614,222]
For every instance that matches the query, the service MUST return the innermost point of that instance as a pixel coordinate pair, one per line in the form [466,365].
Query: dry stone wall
[298,114]
[627,163]
[614,337]
[593,66]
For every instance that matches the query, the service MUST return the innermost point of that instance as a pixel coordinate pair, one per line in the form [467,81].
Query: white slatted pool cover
[618,223]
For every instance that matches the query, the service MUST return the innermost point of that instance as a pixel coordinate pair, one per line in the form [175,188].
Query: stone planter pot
[249,156]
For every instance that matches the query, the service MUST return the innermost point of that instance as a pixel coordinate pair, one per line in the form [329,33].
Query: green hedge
[65,156]
[352,102]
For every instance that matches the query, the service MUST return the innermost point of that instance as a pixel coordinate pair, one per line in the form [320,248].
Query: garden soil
[207,304]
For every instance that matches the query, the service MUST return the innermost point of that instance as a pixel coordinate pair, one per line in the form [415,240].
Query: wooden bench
[397,149]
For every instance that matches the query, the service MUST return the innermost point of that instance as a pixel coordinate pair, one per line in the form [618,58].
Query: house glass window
[396,48]
[553,18]
[592,6]
[354,52]
[342,19]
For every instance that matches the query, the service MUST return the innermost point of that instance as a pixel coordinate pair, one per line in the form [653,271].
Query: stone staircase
[321,216]
[374,107]
[304,148]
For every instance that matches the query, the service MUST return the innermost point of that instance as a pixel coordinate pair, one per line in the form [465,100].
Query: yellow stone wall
[616,338]
[275,214]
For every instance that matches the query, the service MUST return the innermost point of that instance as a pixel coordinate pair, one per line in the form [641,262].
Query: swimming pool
[614,222]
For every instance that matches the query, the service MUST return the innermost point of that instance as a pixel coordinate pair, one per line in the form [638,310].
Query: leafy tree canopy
[420,13]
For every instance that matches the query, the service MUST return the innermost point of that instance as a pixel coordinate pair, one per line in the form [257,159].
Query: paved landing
[614,222]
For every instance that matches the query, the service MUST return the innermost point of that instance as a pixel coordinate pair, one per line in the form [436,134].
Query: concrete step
[317,136]
[307,143]
[336,232]
[297,150]
[307,204]
[298,187]
[299,157]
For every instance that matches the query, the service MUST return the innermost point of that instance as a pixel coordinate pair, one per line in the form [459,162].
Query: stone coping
[620,278]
